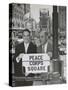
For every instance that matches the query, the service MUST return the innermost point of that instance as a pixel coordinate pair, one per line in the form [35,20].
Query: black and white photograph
[37,44]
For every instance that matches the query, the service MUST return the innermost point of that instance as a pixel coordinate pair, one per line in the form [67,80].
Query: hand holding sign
[49,54]
[19,57]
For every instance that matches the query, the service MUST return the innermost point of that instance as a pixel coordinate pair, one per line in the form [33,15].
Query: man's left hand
[50,54]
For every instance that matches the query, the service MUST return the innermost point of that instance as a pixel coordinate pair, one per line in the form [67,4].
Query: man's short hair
[44,32]
[26,30]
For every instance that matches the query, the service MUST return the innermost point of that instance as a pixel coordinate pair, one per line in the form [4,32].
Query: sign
[36,63]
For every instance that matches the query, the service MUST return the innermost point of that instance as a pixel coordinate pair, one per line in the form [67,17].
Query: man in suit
[25,47]
[46,46]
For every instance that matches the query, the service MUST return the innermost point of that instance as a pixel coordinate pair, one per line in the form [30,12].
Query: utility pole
[56,62]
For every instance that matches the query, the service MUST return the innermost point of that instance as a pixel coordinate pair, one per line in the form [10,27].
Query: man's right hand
[19,57]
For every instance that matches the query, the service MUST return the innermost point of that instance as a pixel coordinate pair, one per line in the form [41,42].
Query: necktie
[42,49]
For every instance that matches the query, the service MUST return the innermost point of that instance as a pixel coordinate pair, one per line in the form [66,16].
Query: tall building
[18,12]
[62,19]
[44,20]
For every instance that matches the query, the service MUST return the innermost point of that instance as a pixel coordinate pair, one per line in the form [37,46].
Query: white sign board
[35,63]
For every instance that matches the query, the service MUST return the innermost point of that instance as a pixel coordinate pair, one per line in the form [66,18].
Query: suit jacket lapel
[48,47]
[39,49]
[28,50]
[23,47]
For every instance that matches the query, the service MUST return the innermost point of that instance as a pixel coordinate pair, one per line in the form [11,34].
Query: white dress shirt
[44,47]
[26,47]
